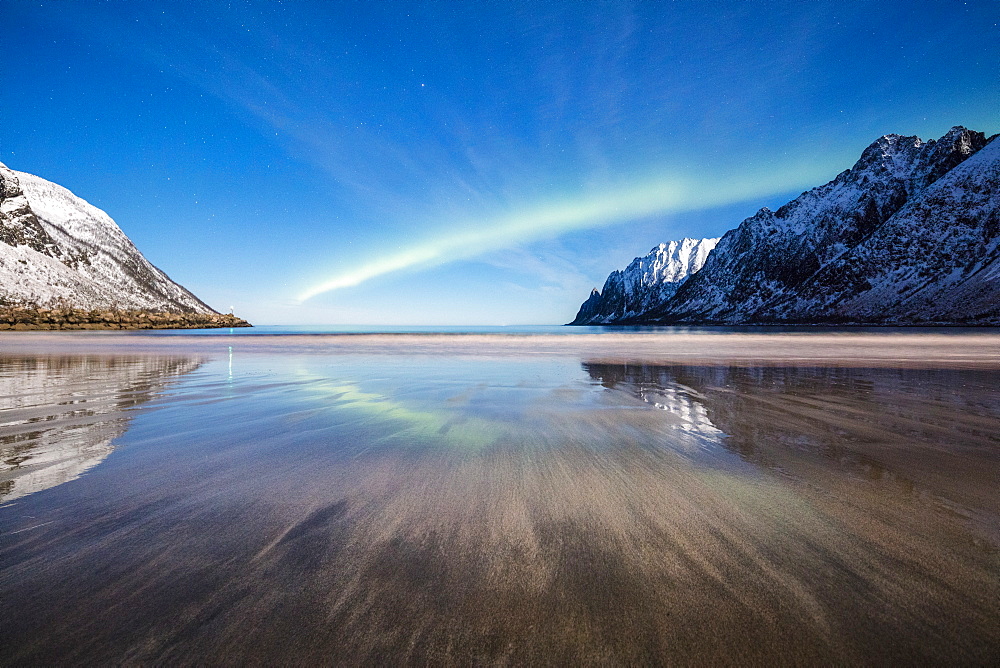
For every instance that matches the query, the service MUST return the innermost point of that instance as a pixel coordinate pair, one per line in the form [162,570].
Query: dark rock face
[18,224]
[590,309]
[908,235]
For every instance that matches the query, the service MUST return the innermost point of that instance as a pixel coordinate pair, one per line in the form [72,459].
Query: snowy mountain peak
[58,250]
[910,234]
[648,280]
[914,162]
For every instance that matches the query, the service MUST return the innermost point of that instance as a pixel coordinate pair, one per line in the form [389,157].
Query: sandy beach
[805,498]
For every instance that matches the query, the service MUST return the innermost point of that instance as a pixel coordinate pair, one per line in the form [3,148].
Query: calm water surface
[538,498]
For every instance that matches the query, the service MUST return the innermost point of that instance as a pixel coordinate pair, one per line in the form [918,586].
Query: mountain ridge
[847,252]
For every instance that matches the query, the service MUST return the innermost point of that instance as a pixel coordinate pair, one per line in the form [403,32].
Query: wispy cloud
[659,197]
[548,265]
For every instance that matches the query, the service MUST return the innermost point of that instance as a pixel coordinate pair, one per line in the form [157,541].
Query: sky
[463,163]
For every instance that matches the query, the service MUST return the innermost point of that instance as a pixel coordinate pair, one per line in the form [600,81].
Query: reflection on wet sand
[609,513]
[930,435]
[59,416]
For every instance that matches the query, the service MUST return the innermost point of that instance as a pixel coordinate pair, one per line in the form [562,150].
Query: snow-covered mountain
[647,282]
[909,235]
[58,250]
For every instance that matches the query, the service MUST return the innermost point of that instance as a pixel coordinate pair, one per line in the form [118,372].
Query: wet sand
[585,500]
[62,414]
[893,347]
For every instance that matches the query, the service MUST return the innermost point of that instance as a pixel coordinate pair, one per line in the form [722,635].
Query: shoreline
[972,350]
[60,319]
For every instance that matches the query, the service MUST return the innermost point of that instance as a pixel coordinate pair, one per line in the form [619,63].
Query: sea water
[500,496]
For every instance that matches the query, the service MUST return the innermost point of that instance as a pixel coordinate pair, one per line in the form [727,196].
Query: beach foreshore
[897,348]
[258,497]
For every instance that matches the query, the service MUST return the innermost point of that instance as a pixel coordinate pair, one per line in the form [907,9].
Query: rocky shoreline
[23,318]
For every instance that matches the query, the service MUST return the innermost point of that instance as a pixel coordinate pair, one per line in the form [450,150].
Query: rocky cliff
[908,235]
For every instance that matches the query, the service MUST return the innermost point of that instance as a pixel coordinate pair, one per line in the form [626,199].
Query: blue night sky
[461,162]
